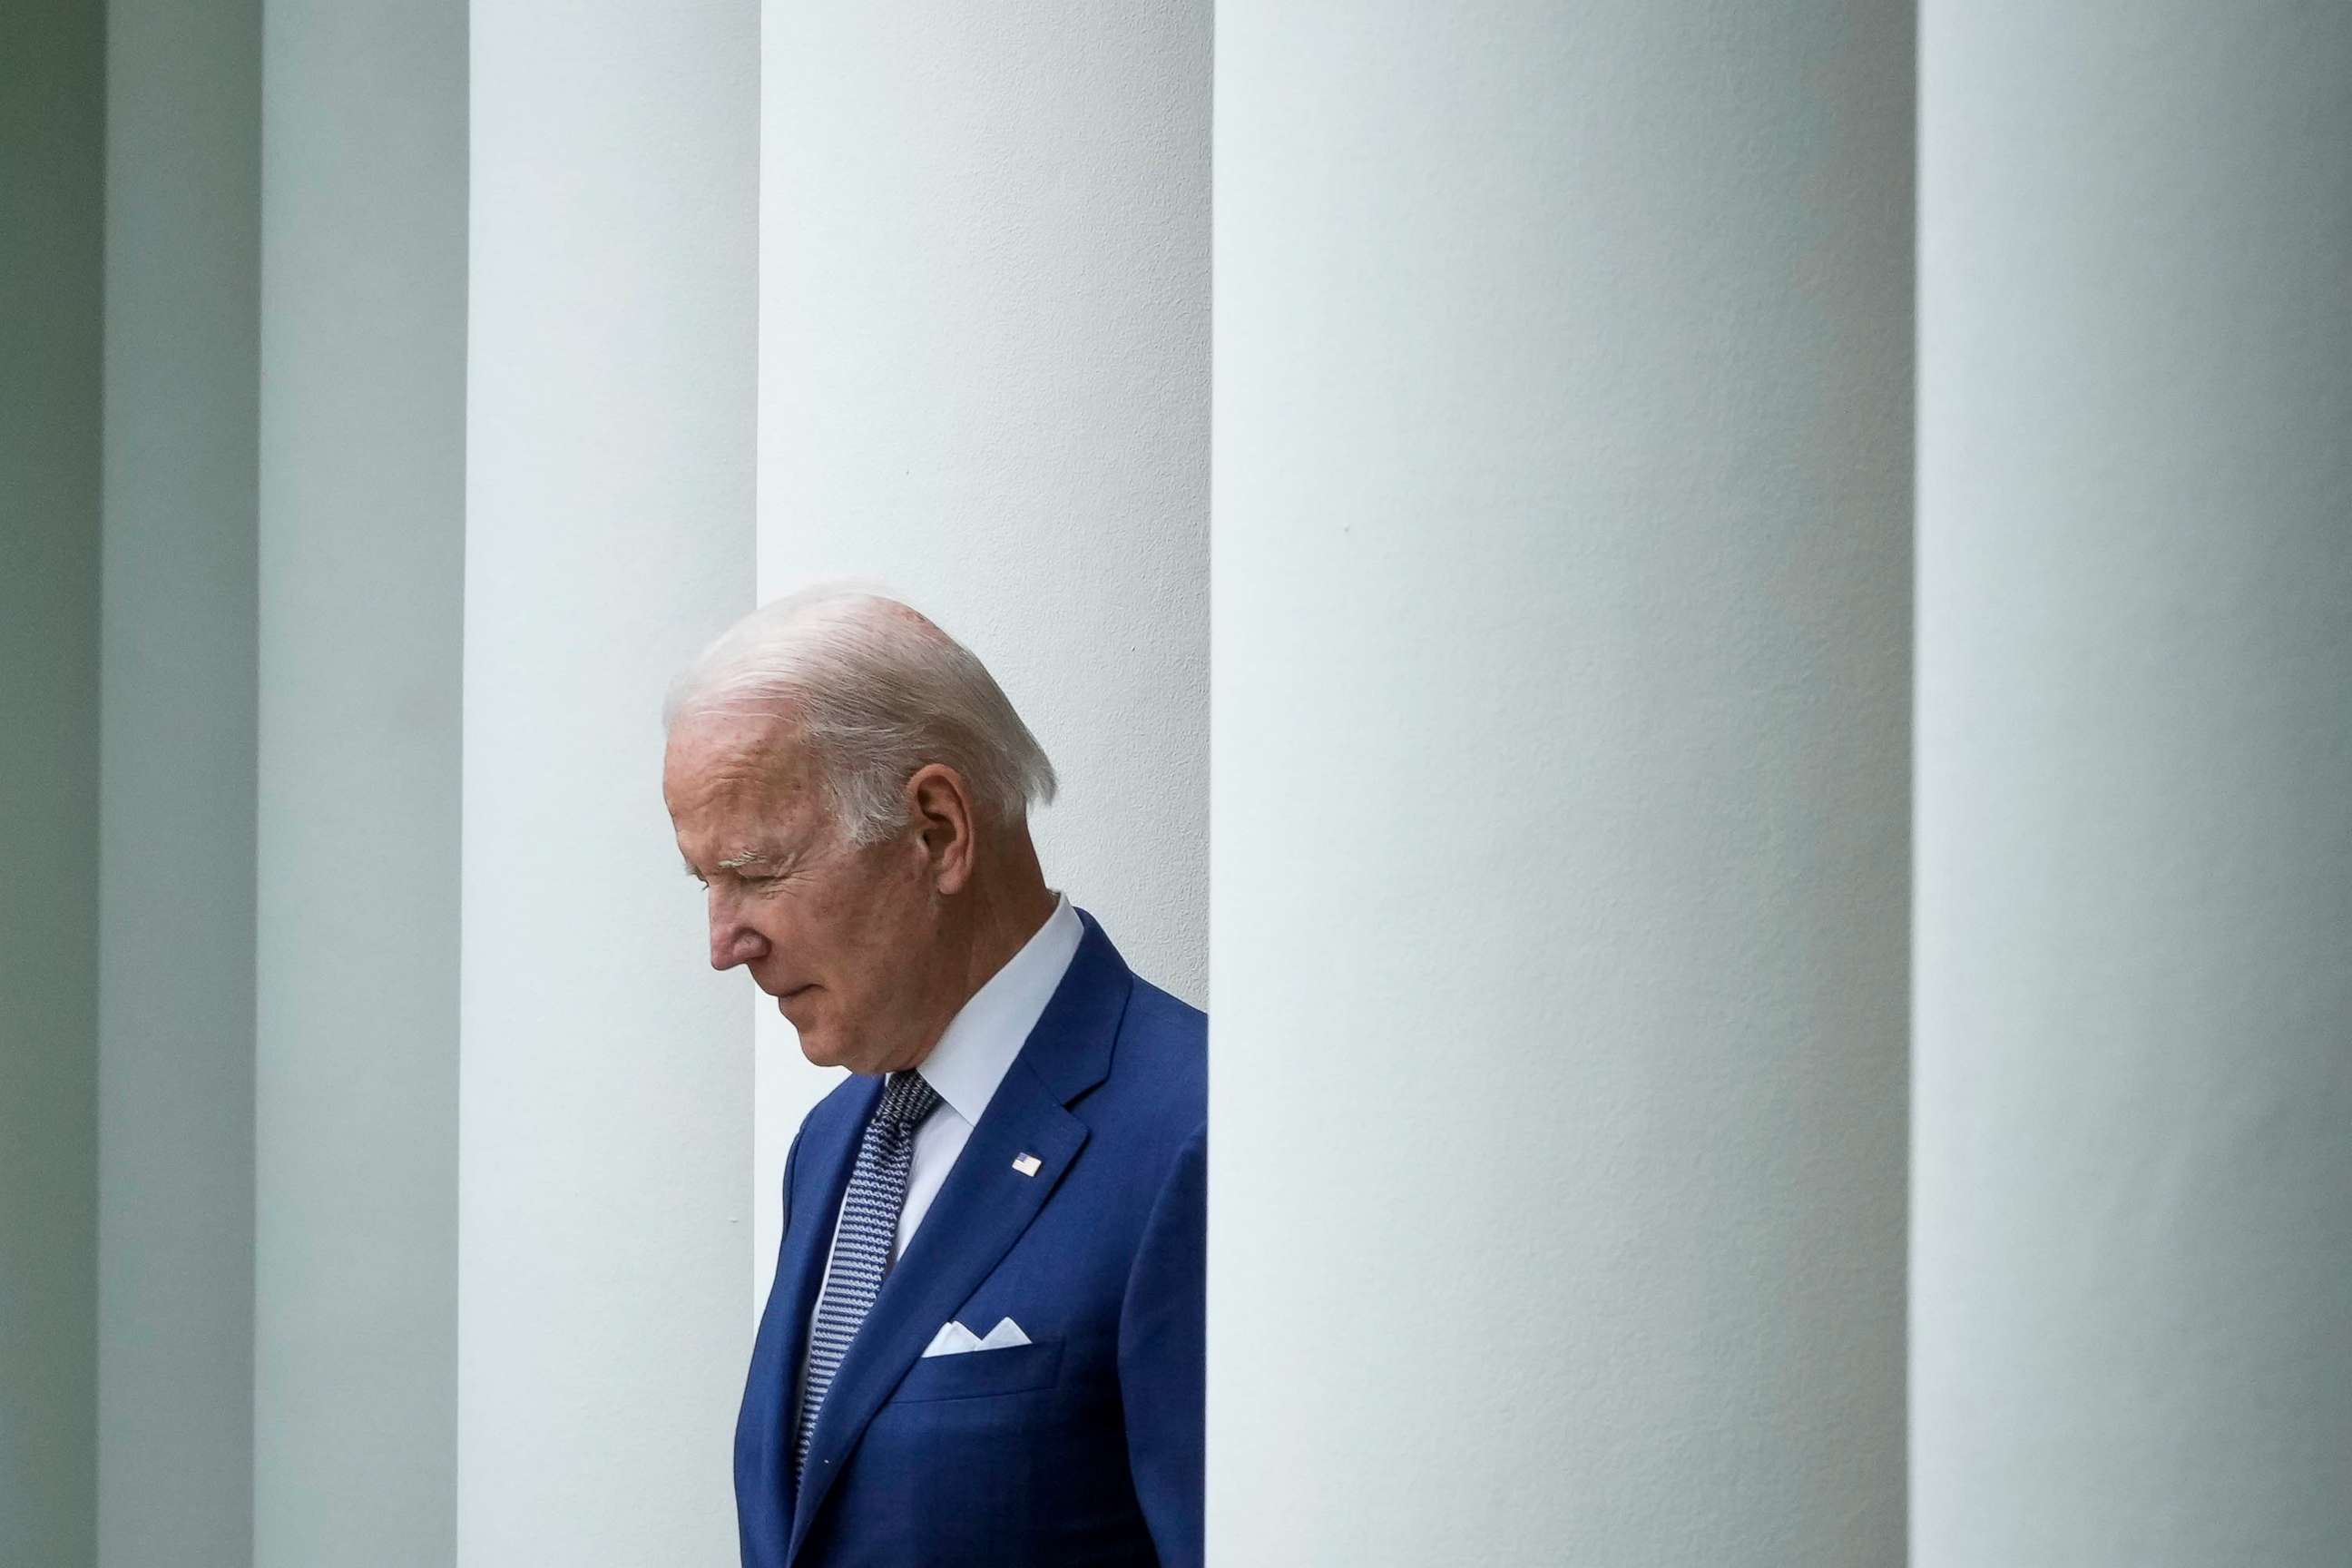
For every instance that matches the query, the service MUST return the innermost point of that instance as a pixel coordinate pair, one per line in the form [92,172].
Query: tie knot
[906,1100]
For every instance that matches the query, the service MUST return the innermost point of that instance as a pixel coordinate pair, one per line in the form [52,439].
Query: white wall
[1559,818]
[2132,1253]
[604,1079]
[983,381]
[361,559]
[175,800]
[52,160]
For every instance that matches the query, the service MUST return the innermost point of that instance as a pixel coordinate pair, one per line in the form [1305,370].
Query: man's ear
[939,804]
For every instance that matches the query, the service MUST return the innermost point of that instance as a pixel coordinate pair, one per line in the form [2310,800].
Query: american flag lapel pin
[1026,1163]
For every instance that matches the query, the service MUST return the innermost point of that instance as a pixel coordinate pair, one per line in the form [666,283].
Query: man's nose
[732,941]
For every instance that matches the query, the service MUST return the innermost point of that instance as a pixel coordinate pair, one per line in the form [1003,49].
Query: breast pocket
[1012,1370]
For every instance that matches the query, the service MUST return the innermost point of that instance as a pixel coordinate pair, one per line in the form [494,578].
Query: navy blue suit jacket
[1083,1445]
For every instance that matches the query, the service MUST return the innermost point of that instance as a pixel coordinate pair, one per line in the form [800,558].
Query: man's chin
[819,1053]
[819,1045]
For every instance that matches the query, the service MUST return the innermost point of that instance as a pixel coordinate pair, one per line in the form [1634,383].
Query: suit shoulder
[1165,1040]
[1152,1009]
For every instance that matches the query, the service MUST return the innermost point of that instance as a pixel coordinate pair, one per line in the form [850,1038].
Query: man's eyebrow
[735,862]
[732,863]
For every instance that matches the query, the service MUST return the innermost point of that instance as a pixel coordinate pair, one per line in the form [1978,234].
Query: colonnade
[1561,723]
[361,533]
[52,337]
[1777,945]
[177,717]
[2131,1243]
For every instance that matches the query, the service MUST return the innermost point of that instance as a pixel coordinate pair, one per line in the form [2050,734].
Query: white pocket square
[954,1339]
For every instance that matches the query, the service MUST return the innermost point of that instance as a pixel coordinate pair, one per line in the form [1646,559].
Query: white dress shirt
[971,1059]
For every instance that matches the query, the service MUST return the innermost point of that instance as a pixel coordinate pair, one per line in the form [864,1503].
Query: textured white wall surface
[983,381]
[2132,1236]
[175,799]
[604,1085]
[1559,862]
[52,161]
[362,564]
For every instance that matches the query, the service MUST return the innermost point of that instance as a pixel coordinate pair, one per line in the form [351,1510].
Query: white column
[984,315]
[604,1077]
[52,211]
[2132,1338]
[1558,826]
[362,561]
[175,801]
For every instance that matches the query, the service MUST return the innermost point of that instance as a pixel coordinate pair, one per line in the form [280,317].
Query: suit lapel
[982,1209]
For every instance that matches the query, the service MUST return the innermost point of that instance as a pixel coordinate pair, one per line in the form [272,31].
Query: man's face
[843,936]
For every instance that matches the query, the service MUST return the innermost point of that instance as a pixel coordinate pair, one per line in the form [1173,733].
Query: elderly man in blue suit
[984,1343]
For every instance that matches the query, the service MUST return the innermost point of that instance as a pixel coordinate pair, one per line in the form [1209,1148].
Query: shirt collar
[972,1057]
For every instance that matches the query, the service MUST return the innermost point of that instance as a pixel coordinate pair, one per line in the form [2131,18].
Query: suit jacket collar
[983,1208]
[1069,1050]
[988,1032]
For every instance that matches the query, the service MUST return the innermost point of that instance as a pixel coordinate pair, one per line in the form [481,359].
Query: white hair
[874,691]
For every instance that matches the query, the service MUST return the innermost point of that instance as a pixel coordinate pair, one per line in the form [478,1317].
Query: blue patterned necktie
[861,1246]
